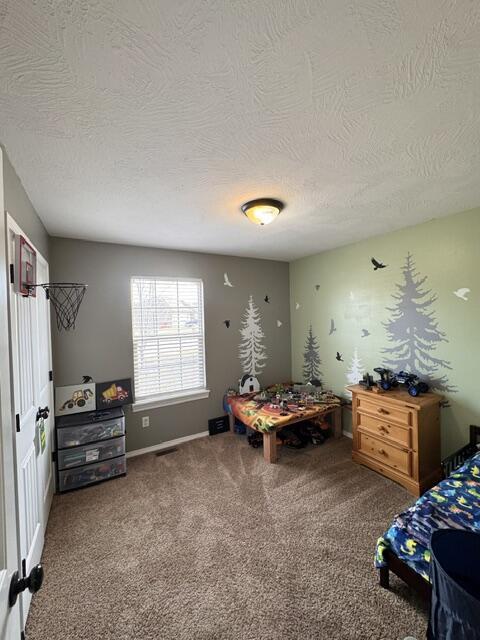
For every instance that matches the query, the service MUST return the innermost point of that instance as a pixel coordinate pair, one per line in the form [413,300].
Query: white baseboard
[166,445]
[348,434]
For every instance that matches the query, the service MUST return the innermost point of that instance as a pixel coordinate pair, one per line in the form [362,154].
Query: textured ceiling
[150,122]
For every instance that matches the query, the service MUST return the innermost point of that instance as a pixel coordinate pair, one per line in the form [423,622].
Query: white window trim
[177,397]
[165,401]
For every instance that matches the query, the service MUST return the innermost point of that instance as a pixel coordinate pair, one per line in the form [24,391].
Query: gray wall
[18,205]
[101,344]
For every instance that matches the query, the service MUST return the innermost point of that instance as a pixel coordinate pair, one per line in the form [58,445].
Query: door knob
[32,582]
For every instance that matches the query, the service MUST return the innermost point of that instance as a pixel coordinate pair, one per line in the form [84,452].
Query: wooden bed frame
[398,566]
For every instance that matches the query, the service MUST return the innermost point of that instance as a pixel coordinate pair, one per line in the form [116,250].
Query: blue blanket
[453,503]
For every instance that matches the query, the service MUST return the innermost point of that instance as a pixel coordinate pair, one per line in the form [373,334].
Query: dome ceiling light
[263,210]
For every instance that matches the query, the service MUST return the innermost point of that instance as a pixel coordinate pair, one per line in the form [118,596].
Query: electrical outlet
[145,421]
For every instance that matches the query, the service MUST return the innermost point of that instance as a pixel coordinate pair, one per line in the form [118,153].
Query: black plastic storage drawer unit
[90,448]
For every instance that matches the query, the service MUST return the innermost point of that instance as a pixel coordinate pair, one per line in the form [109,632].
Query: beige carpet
[212,543]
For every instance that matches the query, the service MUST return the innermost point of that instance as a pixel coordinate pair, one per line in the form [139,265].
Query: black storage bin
[455,573]
[90,448]
[218,425]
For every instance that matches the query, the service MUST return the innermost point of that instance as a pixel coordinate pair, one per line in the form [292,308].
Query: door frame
[8,480]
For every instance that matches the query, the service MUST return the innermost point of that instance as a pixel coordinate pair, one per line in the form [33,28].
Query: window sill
[165,401]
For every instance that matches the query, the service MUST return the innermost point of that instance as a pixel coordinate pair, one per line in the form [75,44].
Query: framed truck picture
[114,393]
[75,398]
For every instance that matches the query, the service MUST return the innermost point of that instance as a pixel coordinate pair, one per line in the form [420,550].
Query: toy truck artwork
[388,380]
[114,392]
[79,399]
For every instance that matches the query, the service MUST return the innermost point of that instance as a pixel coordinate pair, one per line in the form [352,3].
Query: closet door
[31,361]
[9,616]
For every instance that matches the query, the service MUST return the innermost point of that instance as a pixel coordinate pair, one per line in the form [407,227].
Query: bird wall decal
[462,293]
[317,287]
[333,328]
[378,265]
[279,323]
[226,281]
[227,323]
[297,306]
[365,333]
[267,299]
[339,357]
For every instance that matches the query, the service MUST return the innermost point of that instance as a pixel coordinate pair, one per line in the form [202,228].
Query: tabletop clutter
[296,414]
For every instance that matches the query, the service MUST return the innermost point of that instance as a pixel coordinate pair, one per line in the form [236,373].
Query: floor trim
[166,445]
[348,434]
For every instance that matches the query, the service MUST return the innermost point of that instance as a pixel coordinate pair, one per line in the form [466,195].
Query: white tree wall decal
[252,351]
[356,371]
[415,330]
[311,358]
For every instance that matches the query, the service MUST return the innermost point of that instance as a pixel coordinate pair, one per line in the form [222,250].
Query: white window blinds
[168,337]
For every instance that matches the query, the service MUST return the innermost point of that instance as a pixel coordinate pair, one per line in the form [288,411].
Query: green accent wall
[356,297]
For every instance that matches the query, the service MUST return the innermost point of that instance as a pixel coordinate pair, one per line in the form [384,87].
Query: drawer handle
[383,452]
[383,429]
[384,411]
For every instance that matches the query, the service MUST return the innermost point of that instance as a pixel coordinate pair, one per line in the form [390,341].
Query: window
[168,341]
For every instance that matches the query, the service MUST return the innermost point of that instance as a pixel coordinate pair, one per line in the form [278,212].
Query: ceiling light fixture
[263,210]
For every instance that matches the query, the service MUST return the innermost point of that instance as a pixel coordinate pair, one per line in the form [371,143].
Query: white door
[31,362]
[44,391]
[9,616]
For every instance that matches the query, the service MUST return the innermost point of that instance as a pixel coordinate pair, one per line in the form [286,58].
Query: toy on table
[388,380]
[248,384]
[366,381]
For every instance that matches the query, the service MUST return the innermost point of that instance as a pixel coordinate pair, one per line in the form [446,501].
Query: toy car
[414,385]
[388,380]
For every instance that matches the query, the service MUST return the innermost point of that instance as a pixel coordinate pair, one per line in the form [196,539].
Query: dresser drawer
[391,413]
[92,432]
[383,429]
[388,454]
[81,476]
[103,450]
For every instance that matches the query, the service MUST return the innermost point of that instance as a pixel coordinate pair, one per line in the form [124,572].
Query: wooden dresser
[398,436]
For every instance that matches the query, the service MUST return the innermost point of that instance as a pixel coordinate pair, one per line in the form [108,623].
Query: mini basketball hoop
[66,298]
[26,267]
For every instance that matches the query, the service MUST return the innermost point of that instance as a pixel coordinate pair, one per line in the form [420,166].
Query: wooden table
[270,452]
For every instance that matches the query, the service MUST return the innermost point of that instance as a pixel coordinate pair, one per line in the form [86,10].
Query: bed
[453,503]
[268,418]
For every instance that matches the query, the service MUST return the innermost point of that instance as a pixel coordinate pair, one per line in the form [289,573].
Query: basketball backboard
[25,267]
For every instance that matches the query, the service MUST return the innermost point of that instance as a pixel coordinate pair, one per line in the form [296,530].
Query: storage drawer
[80,476]
[385,453]
[77,456]
[383,429]
[91,432]
[387,412]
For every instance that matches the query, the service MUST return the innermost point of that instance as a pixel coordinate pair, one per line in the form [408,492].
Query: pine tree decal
[252,351]
[355,373]
[311,358]
[415,331]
